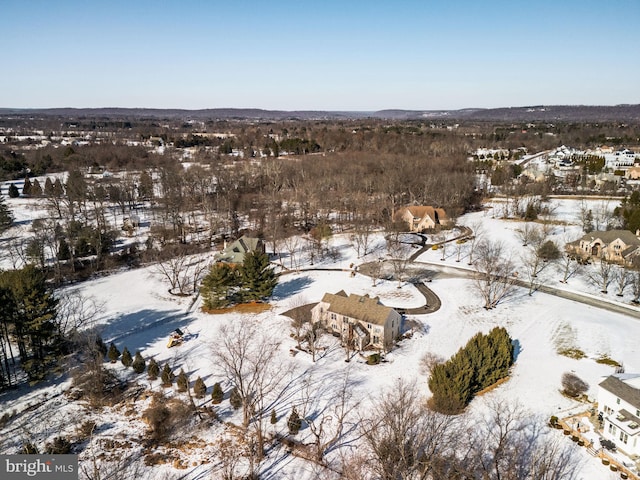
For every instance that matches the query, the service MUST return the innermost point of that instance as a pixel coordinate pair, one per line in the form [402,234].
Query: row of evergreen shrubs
[167,376]
[483,361]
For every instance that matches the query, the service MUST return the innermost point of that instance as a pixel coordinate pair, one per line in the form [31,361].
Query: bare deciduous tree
[183,272]
[477,235]
[601,274]
[76,312]
[493,279]
[375,269]
[362,239]
[622,278]
[292,244]
[568,262]
[404,439]
[399,253]
[246,355]
[326,407]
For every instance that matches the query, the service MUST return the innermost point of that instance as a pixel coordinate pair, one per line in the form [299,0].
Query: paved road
[421,271]
[625,309]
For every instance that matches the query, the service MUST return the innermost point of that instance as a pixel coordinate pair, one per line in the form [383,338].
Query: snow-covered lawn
[140,314]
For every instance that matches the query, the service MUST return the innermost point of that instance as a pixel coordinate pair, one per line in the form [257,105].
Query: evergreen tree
[483,361]
[235,399]
[216,393]
[167,376]
[13,191]
[257,276]
[274,417]
[154,370]
[113,353]
[48,187]
[182,381]
[36,189]
[58,188]
[6,217]
[294,422]
[199,388]
[100,346]
[138,363]
[38,337]
[26,188]
[126,357]
[216,286]
[64,252]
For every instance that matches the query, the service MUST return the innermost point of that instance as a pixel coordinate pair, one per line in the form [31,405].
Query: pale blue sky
[328,55]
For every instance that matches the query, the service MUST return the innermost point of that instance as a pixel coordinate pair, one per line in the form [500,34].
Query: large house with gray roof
[619,406]
[619,246]
[362,322]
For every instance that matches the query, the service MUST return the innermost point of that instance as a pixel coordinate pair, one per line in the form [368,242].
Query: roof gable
[609,236]
[623,386]
[360,307]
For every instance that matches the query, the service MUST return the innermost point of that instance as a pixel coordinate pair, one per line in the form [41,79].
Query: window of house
[368,326]
[618,401]
[610,428]
[623,437]
[638,412]
[376,339]
[333,316]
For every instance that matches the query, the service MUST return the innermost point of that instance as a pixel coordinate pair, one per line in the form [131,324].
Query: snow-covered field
[138,313]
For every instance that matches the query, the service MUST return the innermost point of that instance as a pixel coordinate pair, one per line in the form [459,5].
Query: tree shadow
[139,330]
[291,287]
[517,348]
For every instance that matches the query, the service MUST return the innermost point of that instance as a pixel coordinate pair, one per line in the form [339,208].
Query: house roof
[420,211]
[362,308]
[234,253]
[624,386]
[610,235]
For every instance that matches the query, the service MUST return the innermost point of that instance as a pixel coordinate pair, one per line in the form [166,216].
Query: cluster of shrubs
[483,361]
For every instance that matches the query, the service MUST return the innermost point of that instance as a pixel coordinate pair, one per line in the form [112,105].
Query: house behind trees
[362,322]
[619,246]
[619,406]
[422,218]
[235,252]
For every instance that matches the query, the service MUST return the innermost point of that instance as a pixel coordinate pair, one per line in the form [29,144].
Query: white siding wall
[608,402]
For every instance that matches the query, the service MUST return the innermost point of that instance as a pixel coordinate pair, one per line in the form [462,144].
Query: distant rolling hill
[549,113]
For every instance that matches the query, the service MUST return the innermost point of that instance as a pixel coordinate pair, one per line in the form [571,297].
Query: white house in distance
[619,405]
[360,321]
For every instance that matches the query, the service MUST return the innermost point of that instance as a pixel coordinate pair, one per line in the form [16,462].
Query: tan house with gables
[421,218]
[361,321]
[619,246]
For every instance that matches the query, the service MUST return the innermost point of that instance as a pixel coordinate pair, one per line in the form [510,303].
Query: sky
[319,55]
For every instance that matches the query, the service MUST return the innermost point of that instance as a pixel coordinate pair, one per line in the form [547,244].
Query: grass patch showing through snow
[575,353]
[607,360]
[253,307]
[566,342]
